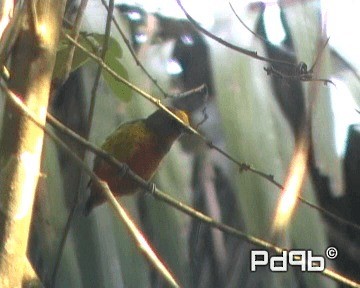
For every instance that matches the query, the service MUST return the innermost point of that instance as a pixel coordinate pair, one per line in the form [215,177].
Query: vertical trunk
[33,59]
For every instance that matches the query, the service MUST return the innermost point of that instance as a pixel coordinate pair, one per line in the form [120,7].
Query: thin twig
[197,91]
[250,53]
[247,27]
[99,70]
[242,166]
[151,188]
[133,53]
[67,69]
[319,55]
[204,118]
[75,33]
[305,76]
[256,34]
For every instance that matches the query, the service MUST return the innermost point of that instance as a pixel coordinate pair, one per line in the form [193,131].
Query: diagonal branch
[75,34]
[99,70]
[133,53]
[250,53]
[305,75]
[241,165]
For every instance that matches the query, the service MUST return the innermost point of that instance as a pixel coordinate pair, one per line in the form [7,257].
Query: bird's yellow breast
[137,146]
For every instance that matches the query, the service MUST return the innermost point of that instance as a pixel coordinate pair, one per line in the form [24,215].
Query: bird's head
[166,126]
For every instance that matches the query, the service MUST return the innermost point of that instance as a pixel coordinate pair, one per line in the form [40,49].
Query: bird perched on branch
[141,144]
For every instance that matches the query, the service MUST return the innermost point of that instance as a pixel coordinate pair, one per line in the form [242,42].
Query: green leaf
[114,47]
[122,91]
[113,54]
[91,42]
[79,59]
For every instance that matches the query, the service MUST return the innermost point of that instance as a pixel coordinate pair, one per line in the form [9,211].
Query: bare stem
[247,52]
[133,53]
[75,34]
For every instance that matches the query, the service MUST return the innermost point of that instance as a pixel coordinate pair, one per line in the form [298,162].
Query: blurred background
[254,116]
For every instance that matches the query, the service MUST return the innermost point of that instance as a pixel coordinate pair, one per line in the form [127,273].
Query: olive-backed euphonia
[141,144]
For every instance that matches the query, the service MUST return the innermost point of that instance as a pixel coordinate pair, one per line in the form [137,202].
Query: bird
[141,145]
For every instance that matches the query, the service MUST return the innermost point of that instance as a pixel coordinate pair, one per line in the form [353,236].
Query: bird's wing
[126,139]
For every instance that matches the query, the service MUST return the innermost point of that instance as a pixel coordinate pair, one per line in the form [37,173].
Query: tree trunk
[33,59]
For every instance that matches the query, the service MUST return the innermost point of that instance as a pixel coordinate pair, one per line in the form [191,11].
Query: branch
[241,165]
[301,75]
[75,34]
[133,54]
[99,70]
[250,53]
[247,27]
[306,76]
